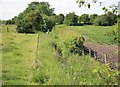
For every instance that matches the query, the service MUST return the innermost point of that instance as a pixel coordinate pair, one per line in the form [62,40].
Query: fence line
[103,58]
[35,66]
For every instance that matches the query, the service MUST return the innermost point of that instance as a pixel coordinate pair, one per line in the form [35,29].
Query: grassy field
[98,34]
[18,55]
[56,64]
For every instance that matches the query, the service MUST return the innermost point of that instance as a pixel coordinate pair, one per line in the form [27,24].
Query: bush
[76,45]
[72,42]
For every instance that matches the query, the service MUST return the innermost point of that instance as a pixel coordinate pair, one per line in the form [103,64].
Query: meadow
[18,56]
[97,34]
[56,63]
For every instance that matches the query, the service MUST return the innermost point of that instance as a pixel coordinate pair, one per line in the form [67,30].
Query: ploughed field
[50,60]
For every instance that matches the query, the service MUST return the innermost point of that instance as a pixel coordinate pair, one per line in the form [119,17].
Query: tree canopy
[35,18]
[84,18]
[106,19]
[60,18]
[92,18]
[40,16]
[71,19]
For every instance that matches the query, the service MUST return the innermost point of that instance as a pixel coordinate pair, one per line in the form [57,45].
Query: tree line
[40,16]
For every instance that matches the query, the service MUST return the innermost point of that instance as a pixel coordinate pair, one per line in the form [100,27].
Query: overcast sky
[11,8]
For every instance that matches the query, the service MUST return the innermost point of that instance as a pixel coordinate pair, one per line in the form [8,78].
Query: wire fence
[35,66]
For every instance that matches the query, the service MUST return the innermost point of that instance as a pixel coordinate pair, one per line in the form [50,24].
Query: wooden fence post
[7,29]
[89,52]
[95,56]
[105,58]
[36,60]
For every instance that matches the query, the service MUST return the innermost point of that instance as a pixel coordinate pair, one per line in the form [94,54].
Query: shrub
[72,42]
[77,45]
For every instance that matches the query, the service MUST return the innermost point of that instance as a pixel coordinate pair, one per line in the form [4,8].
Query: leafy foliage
[71,19]
[35,18]
[7,22]
[42,7]
[30,23]
[106,19]
[60,19]
[84,19]
[48,25]
[89,3]
[72,42]
[92,18]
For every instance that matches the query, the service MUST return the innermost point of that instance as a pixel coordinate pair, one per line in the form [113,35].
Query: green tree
[71,19]
[30,23]
[92,18]
[53,18]
[44,8]
[36,17]
[60,19]
[8,22]
[48,25]
[108,19]
[112,17]
[84,19]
